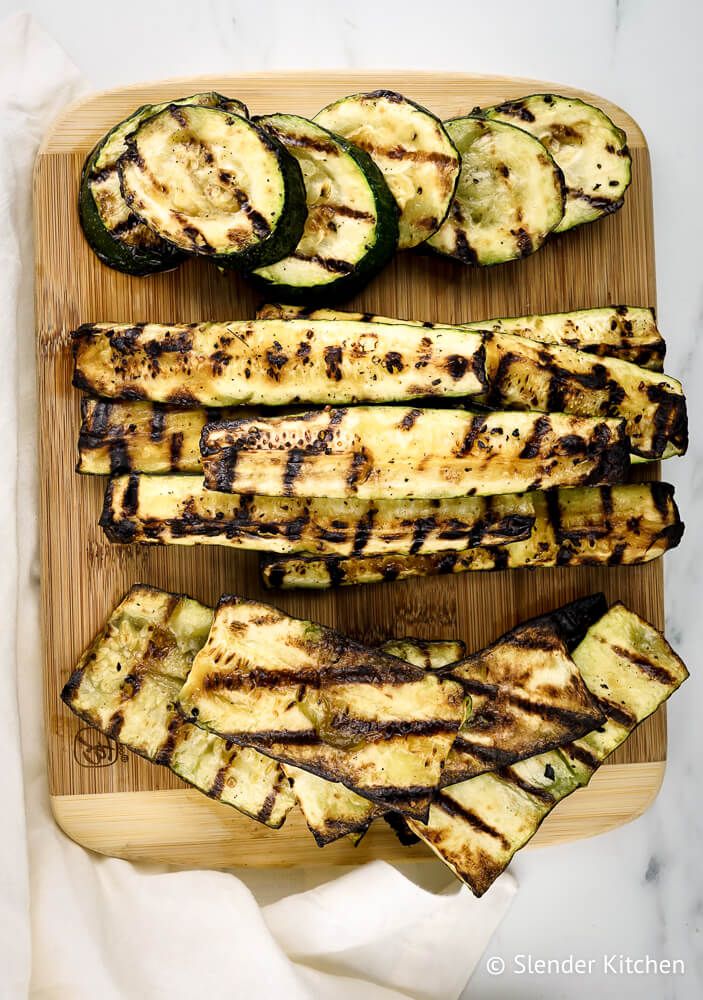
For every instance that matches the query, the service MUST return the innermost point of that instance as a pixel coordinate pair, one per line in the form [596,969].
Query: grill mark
[294,465]
[409,418]
[615,712]
[130,497]
[164,754]
[158,423]
[114,725]
[269,737]
[333,363]
[477,426]
[581,754]
[422,527]
[332,264]
[127,225]
[524,242]
[647,666]
[463,249]
[263,677]
[565,716]
[605,205]
[457,365]
[662,496]
[364,530]
[533,444]
[176,449]
[359,460]
[452,808]
[264,814]
[364,729]
[508,775]
[486,754]
[120,462]
[259,224]
[215,791]
[517,110]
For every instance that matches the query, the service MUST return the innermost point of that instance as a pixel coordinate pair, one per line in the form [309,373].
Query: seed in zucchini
[126,684]
[179,510]
[351,229]
[411,148]
[476,826]
[606,526]
[308,696]
[275,362]
[588,146]
[214,183]
[113,231]
[509,198]
[394,453]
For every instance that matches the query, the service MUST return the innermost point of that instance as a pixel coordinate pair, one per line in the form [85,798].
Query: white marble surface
[637,891]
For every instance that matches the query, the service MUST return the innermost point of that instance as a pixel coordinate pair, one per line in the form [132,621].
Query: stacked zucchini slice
[312,210]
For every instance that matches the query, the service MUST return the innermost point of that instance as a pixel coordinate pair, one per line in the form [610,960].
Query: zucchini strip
[274,363]
[476,826]
[392,452]
[179,510]
[626,332]
[606,526]
[308,696]
[127,682]
[588,146]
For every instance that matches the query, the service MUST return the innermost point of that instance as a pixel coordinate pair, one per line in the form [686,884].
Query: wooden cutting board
[111,800]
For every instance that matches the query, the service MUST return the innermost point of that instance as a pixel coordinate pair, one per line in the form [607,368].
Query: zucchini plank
[393,452]
[606,526]
[211,182]
[411,147]
[127,682]
[308,696]
[476,826]
[179,510]
[626,332]
[275,362]
[351,229]
[590,149]
[509,198]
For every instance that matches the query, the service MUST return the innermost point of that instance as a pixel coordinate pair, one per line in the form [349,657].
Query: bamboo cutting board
[111,800]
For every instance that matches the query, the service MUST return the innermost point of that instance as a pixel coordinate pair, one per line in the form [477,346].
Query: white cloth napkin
[75,925]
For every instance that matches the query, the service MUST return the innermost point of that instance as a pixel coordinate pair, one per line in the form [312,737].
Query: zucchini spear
[605,526]
[476,826]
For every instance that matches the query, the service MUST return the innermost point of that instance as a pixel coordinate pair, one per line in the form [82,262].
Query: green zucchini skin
[315,142]
[145,253]
[270,221]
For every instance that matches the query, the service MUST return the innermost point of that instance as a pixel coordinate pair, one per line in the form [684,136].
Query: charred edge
[401,829]
[663,498]
[479,366]
[452,808]
[70,688]
[516,109]
[119,531]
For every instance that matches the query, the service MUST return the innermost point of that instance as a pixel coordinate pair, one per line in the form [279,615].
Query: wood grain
[83,576]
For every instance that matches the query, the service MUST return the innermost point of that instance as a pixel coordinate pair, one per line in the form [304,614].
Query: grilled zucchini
[476,826]
[509,198]
[605,526]
[351,229]
[393,452]
[211,182]
[305,695]
[127,682]
[179,510]
[276,362]
[626,332]
[412,149]
[113,231]
[590,149]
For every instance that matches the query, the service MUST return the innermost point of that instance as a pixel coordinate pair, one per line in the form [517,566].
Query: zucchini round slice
[116,235]
[590,149]
[412,149]
[213,183]
[509,198]
[351,229]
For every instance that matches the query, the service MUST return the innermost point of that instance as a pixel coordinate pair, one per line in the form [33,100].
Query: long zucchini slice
[393,452]
[351,229]
[114,232]
[588,146]
[509,198]
[410,146]
[179,510]
[332,810]
[606,526]
[308,696]
[211,182]
[476,826]
[626,332]
[276,362]
[127,682]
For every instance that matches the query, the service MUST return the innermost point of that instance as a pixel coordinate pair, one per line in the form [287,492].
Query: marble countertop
[637,891]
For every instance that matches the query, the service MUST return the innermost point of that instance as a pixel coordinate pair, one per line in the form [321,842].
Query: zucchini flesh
[351,229]
[332,810]
[590,149]
[476,826]
[410,146]
[114,232]
[394,452]
[211,182]
[275,362]
[606,526]
[305,695]
[509,198]
[118,437]
[127,682]
[179,510]
[626,332]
